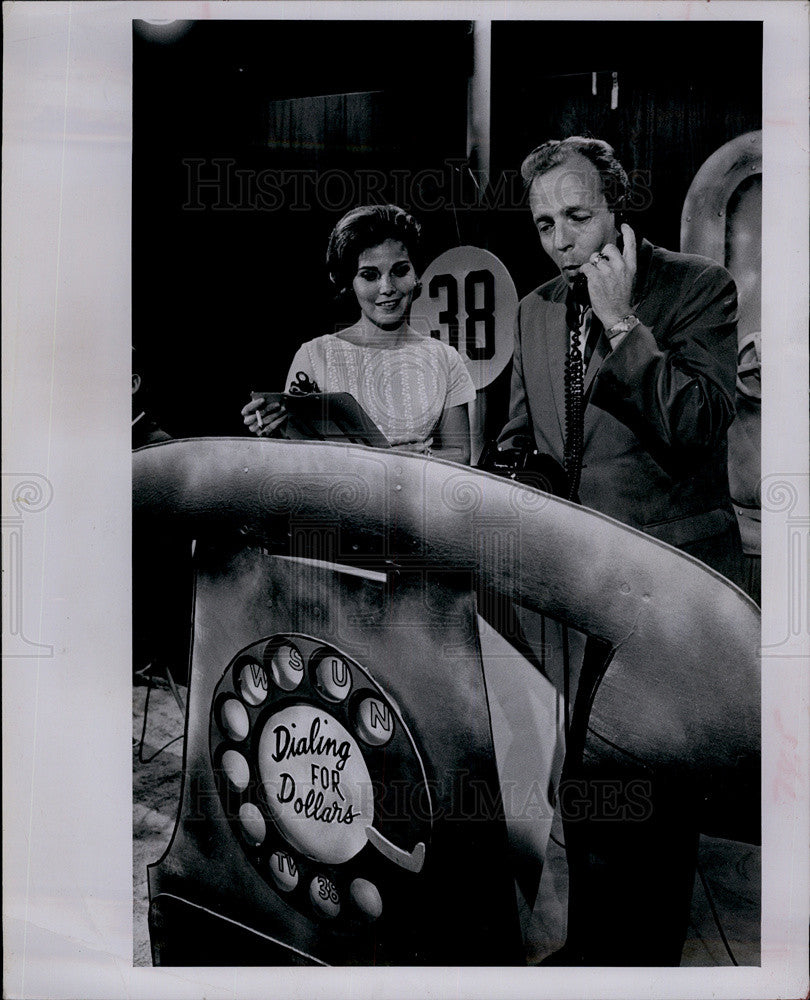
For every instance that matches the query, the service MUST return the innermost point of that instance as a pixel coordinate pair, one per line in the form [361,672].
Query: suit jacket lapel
[600,352]
[555,337]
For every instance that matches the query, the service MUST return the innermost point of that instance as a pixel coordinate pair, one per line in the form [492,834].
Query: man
[624,372]
[145,430]
[161,574]
[645,441]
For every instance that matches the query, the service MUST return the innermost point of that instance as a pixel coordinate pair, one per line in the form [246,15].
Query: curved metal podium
[336,672]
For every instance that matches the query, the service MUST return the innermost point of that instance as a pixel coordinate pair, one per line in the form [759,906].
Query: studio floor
[731,870]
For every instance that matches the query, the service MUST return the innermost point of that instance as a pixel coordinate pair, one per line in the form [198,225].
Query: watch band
[625,325]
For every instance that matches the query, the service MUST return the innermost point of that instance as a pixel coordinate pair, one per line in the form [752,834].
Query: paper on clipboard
[327,416]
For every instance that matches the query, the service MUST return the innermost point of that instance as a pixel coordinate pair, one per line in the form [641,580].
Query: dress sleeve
[302,362]
[677,396]
[460,388]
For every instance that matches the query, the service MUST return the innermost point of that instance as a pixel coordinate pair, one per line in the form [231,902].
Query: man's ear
[136,383]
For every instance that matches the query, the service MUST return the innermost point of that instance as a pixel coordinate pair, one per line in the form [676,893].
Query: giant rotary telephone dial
[340,799]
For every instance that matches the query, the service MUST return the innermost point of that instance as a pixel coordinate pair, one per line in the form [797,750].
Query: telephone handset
[218,895]
[579,286]
[579,290]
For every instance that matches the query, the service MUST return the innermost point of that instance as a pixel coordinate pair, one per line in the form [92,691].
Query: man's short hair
[600,153]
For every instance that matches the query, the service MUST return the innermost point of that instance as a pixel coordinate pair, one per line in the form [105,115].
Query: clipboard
[327,416]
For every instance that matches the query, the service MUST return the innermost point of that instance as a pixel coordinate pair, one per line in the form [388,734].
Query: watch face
[624,325]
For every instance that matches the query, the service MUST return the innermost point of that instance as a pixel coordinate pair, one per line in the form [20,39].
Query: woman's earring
[417,290]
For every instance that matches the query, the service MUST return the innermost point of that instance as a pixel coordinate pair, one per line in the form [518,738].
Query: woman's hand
[452,437]
[263,418]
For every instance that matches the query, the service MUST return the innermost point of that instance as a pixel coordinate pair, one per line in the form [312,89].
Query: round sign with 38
[469,301]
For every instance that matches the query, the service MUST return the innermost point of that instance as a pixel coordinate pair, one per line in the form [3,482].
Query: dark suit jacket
[658,406]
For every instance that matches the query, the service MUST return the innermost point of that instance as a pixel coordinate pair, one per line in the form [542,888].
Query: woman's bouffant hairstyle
[600,153]
[365,227]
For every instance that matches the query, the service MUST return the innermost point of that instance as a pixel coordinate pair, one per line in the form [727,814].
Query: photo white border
[66,364]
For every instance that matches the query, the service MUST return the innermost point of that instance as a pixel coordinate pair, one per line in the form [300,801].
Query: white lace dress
[404,389]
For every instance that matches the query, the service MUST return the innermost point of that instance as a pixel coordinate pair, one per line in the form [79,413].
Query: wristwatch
[624,325]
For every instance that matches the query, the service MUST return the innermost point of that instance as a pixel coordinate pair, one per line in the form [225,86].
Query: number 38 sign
[469,301]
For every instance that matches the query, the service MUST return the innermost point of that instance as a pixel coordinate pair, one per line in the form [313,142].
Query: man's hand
[610,275]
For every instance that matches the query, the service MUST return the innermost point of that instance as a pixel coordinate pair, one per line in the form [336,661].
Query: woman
[416,389]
